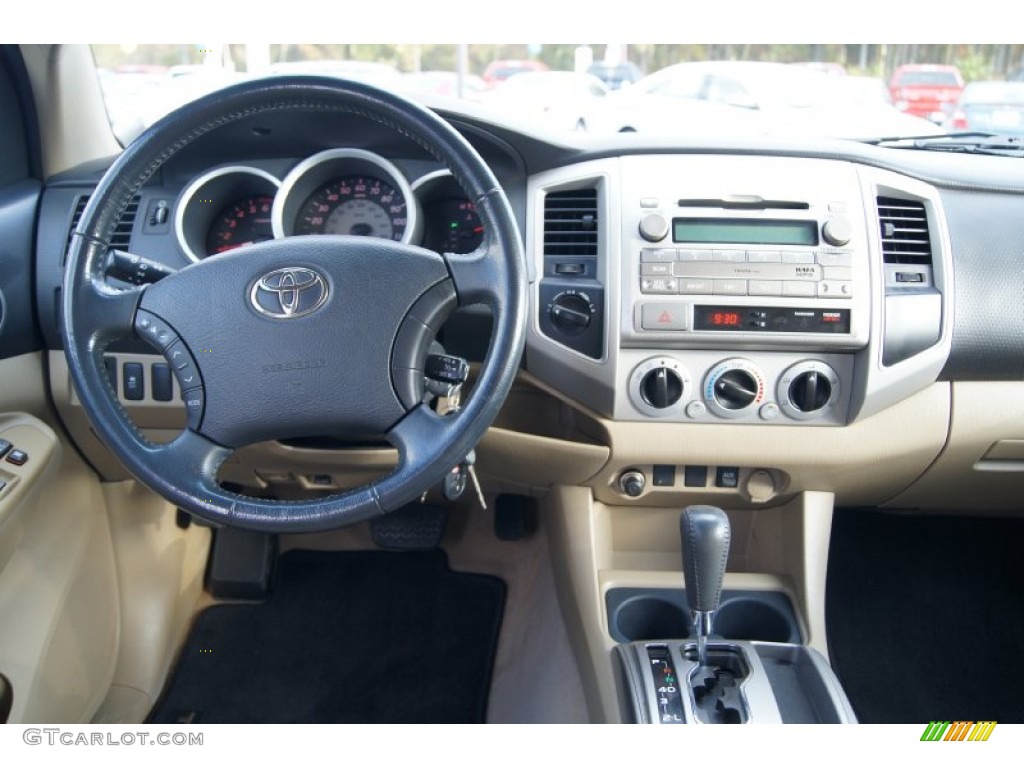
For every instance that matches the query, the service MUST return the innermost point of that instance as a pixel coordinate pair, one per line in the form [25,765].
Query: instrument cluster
[335,192]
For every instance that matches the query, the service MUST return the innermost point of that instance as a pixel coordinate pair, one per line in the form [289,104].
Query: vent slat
[122,235]
[571,223]
[903,225]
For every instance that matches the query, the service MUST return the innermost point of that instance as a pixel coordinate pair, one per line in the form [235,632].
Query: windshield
[854,91]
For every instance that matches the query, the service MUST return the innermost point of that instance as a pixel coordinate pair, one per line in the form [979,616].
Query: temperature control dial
[659,386]
[808,389]
[734,388]
[571,312]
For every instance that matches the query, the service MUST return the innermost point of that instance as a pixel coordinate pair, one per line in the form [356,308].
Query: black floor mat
[925,616]
[354,637]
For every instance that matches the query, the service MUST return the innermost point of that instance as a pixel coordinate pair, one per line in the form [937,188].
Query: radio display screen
[717,317]
[745,231]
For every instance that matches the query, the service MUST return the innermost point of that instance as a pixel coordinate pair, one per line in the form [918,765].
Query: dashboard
[762,316]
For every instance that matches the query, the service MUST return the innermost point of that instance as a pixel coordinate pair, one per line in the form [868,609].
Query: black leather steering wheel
[301,336]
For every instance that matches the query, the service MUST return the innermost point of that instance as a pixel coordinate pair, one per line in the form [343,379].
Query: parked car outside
[564,98]
[615,76]
[926,90]
[990,106]
[503,69]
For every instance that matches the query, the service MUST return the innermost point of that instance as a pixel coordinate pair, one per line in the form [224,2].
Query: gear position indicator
[666,685]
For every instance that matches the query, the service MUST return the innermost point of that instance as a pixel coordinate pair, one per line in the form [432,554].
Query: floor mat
[925,616]
[346,637]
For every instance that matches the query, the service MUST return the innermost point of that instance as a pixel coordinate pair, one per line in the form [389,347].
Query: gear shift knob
[705,535]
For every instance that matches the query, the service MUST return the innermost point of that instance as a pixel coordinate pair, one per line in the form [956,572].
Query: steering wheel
[301,336]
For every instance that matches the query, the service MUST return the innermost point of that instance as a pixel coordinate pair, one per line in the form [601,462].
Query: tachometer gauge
[354,205]
[243,222]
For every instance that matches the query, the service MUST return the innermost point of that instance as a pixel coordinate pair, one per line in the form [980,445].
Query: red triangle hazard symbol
[665,317]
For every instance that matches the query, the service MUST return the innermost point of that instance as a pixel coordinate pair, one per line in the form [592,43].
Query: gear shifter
[705,535]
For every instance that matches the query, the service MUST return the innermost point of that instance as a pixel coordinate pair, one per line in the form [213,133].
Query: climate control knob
[808,389]
[570,313]
[661,387]
[734,388]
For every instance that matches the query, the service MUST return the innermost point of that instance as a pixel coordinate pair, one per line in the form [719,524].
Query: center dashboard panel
[737,289]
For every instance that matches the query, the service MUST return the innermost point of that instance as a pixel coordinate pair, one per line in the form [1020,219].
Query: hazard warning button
[663,316]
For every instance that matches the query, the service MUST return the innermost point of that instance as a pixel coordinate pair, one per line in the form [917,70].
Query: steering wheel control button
[163,389]
[153,330]
[727,477]
[184,366]
[134,381]
[195,403]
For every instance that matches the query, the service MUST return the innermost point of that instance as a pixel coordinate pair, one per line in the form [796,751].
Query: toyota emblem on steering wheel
[288,293]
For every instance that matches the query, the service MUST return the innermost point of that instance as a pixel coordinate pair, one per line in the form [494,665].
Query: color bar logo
[943,730]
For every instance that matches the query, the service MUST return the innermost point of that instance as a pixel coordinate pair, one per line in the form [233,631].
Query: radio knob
[661,387]
[837,231]
[653,227]
[570,313]
[810,391]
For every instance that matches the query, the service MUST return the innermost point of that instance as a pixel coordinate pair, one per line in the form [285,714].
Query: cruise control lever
[133,269]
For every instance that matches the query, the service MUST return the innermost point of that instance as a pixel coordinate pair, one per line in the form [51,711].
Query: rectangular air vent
[122,233]
[570,223]
[904,230]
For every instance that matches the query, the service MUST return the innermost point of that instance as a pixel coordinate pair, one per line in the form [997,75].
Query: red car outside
[926,90]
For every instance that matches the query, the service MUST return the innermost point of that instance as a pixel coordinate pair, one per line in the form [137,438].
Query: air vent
[904,229]
[570,223]
[122,233]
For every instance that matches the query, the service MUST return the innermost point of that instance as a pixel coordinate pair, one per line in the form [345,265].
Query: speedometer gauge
[354,205]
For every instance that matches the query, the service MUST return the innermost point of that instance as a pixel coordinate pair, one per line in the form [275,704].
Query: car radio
[762,270]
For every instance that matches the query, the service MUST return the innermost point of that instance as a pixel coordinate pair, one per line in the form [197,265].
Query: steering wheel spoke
[103,311]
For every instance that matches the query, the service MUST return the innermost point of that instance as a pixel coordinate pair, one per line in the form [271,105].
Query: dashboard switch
[163,390]
[695,476]
[663,475]
[5,446]
[727,477]
[632,483]
[17,457]
[134,382]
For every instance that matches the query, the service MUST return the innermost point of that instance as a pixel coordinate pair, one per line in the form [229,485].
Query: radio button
[661,268]
[690,254]
[648,202]
[657,254]
[835,289]
[659,285]
[831,259]
[663,316]
[800,288]
[764,287]
[837,273]
[728,255]
[730,287]
[798,257]
[764,257]
[691,286]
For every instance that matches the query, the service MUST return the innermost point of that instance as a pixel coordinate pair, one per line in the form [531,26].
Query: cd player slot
[744,203]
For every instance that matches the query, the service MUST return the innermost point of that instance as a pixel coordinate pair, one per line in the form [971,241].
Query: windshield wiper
[972,142]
